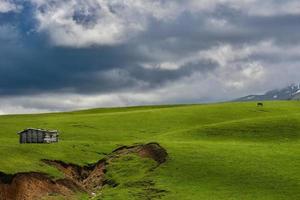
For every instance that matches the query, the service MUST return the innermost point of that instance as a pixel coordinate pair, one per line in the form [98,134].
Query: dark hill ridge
[292,92]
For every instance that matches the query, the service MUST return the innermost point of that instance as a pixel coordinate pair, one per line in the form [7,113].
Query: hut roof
[38,129]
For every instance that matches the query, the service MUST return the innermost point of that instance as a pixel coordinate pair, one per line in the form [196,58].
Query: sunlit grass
[216,151]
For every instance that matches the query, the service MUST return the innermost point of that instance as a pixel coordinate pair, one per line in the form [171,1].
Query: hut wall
[28,136]
[40,137]
[23,137]
[34,136]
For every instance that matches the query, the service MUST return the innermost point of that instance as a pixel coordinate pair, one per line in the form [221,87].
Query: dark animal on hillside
[260,104]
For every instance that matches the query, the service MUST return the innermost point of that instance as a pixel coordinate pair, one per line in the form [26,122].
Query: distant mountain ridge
[292,92]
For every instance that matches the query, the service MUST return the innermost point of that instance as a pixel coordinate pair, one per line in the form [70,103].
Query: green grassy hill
[228,151]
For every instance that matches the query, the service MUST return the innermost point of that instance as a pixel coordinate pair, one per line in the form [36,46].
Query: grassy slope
[217,151]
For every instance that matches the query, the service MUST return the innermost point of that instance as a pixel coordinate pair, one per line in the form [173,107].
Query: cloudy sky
[71,54]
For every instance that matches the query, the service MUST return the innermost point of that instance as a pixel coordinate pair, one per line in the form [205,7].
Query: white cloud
[273,7]
[224,55]
[240,69]
[82,23]
[251,7]
[9,6]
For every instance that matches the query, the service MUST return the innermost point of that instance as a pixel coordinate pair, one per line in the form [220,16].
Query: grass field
[227,151]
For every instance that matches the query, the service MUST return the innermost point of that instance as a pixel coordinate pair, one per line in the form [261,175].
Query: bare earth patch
[89,179]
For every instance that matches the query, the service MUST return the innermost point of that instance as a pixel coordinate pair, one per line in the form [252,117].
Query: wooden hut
[33,135]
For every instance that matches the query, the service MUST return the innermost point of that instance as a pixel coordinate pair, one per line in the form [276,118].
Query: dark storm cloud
[92,70]
[193,33]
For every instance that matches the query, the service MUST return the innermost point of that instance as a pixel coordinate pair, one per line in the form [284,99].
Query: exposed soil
[25,186]
[90,178]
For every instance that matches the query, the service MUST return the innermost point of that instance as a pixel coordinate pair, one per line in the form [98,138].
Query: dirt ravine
[89,179]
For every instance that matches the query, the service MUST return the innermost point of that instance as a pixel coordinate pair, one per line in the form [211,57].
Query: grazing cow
[259,104]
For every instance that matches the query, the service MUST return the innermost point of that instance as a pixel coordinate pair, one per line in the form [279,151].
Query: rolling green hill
[228,151]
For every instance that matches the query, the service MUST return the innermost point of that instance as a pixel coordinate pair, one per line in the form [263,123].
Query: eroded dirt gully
[89,179]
